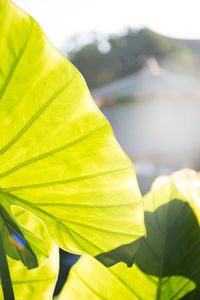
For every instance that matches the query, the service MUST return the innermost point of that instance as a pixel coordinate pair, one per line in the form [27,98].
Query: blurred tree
[125,55]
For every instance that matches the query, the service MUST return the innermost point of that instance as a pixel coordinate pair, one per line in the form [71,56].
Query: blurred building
[155,115]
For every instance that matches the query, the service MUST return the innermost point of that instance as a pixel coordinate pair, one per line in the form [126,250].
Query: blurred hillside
[147,86]
[103,61]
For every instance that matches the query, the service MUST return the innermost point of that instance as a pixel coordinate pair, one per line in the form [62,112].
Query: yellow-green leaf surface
[167,264]
[59,158]
[33,251]
[38,283]
[188,182]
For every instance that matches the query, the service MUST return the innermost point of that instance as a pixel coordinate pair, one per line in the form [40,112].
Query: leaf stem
[5,274]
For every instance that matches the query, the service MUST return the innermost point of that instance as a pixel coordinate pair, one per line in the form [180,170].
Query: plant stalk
[5,273]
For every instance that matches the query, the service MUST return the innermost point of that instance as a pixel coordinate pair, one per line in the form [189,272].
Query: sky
[62,19]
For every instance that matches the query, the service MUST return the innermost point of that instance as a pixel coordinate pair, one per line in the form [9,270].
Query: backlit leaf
[167,264]
[59,158]
[38,283]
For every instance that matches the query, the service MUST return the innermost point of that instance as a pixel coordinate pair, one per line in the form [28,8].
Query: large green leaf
[167,264]
[38,283]
[188,182]
[59,158]
[12,233]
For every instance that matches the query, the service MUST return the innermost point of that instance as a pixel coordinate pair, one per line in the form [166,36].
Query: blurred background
[141,61]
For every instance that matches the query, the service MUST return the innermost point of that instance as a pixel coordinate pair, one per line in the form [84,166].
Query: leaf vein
[16,62]
[97,228]
[52,183]
[89,287]
[87,205]
[47,154]
[35,117]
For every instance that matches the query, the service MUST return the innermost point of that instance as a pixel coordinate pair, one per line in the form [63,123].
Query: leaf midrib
[159,283]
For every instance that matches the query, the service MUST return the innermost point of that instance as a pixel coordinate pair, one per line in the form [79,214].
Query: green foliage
[59,159]
[9,228]
[37,283]
[167,264]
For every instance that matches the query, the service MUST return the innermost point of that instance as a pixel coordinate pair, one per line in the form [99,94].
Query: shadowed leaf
[167,264]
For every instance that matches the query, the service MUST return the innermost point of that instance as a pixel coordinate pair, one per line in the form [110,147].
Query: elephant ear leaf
[167,264]
[16,244]
[38,283]
[59,159]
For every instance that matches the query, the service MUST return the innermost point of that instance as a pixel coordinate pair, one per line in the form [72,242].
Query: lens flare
[18,241]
